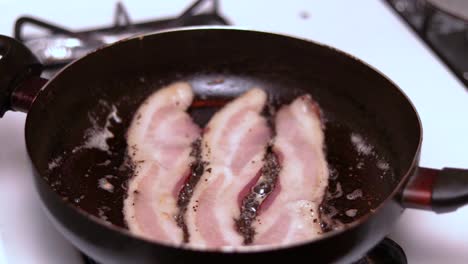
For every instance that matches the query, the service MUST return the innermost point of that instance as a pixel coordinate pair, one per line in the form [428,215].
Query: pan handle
[19,76]
[441,191]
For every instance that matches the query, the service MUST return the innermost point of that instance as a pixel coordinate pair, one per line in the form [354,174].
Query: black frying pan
[220,63]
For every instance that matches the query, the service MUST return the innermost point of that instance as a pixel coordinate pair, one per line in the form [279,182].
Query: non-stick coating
[219,64]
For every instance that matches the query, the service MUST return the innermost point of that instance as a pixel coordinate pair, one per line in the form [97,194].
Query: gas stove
[57,46]
[368,29]
[443,25]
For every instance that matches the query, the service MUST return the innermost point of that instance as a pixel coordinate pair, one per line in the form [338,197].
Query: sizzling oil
[360,173]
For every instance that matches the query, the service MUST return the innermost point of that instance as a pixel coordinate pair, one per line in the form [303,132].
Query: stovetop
[441,27]
[368,29]
[56,45]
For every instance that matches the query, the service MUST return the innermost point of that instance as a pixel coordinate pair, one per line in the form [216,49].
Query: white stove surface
[367,29]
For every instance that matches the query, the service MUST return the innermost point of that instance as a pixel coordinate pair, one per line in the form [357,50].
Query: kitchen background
[368,29]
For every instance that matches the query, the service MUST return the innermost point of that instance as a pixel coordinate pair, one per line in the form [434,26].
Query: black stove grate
[445,34]
[386,252]
[61,46]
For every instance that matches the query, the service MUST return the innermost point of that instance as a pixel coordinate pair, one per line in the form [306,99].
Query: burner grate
[444,33]
[61,45]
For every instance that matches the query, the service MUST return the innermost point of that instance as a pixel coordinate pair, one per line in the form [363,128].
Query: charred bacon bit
[252,201]
[196,171]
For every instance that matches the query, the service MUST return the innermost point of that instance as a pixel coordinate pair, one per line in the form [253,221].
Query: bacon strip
[159,141]
[233,145]
[291,213]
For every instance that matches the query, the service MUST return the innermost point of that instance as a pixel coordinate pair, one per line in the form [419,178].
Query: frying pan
[357,101]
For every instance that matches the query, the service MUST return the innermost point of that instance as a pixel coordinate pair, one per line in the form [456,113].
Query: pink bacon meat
[159,141]
[233,145]
[291,212]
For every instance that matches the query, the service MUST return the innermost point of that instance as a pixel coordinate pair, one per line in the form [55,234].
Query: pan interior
[372,132]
